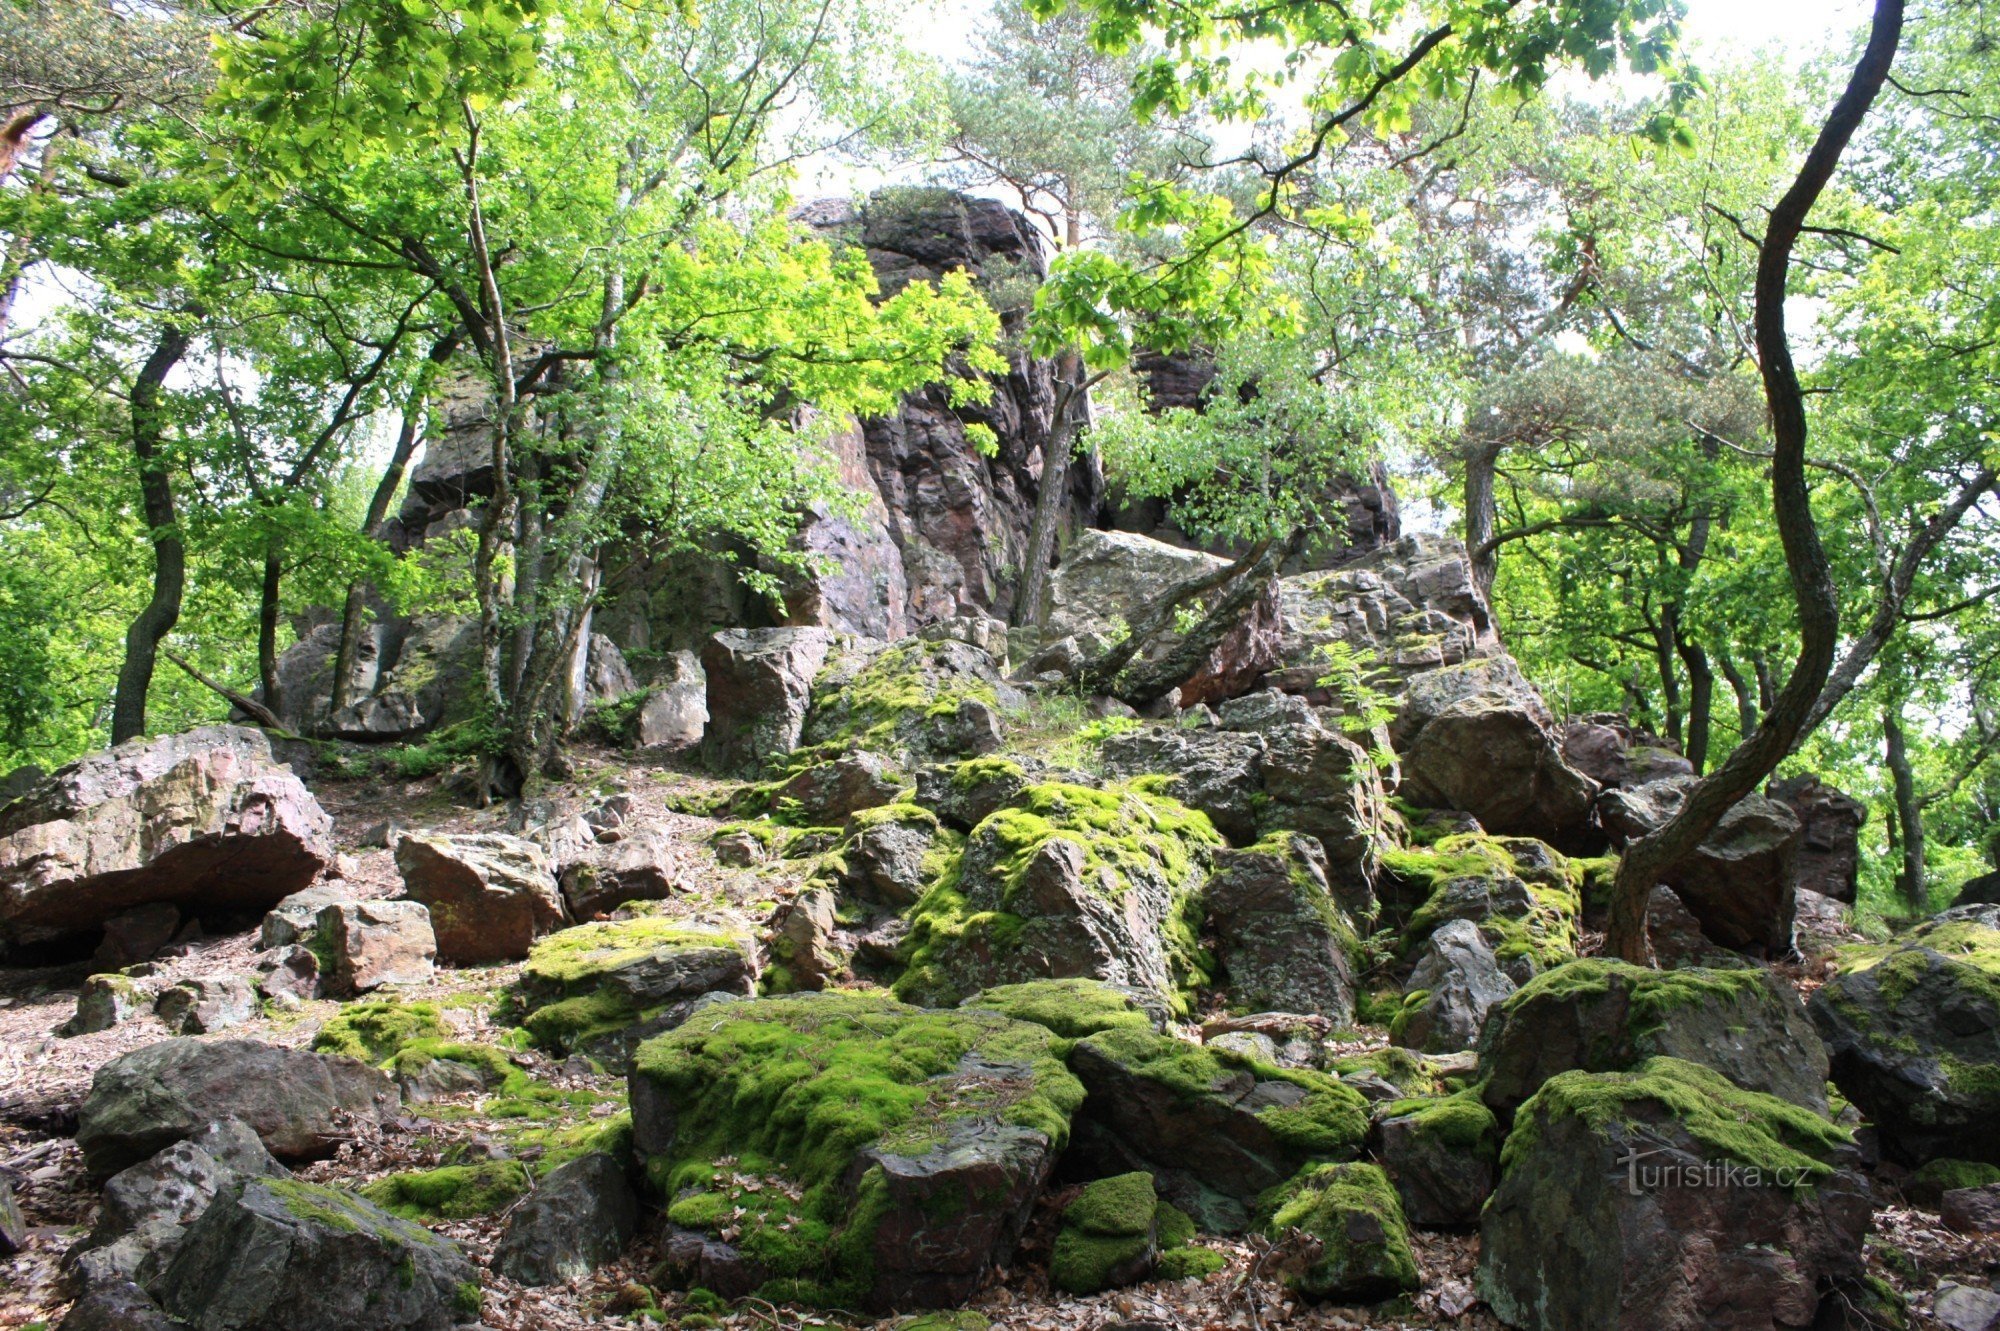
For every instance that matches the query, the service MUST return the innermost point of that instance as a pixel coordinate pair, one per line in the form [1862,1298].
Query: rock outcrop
[489,895]
[206,821]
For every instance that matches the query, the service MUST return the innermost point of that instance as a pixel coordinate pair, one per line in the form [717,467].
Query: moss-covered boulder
[1668,1199]
[1457,980]
[1600,1015]
[892,853]
[1521,894]
[281,1255]
[919,700]
[1073,1009]
[1282,942]
[1914,1035]
[601,988]
[450,1192]
[1214,1127]
[1066,881]
[846,1149]
[1442,1154]
[1352,1215]
[1109,1235]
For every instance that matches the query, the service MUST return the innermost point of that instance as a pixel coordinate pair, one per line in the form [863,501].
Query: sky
[1791,23]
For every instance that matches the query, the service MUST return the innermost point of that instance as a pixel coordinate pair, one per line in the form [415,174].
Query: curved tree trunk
[1805,559]
[1053,494]
[156,494]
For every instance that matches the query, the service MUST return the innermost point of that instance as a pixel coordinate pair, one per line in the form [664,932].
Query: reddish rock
[1829,856]
[489,896]
[206,821]
[375,943]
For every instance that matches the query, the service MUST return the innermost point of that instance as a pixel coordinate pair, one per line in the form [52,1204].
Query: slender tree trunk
[1746,695]
[1482,515]
[1664,633]
[156,495]
[1909,821]
[269,612]
[1806,565]
[1053,495]
[1701,700]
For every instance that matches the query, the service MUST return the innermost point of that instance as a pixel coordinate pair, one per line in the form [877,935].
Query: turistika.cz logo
[1641,1178]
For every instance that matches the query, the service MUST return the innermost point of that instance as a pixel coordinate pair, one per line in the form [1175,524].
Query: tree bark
[1482,516]
[1053,494]
[156,495]
[1701,699]
[1909,823]
[1805,558]
[1746,694]
[268,615]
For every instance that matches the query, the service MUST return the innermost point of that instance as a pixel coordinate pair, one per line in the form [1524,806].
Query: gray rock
[13,1230]
[1741,882]
[1460,982]
[287,974]
[375,943]
[1443,1158]
[759,686]
[580,1216]
[111,1000]
[117,1306]
[1495,757]
[808,942]
[206,1004]
[1829,855]
[1283,943]
[916,701]
[1605,1016]
[1915,1044]
[1971,1210]
[1624,1220]
[1265,711]
[205,821]
[281,1255]
[490,896]
[1965,1307]
[294,919]
[885,859]
[831,792]
[675,713]
[302,1105]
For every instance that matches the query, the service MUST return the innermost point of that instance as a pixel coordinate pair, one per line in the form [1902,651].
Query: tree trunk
[1052,497]
[1909,822]
[156,494]
[1701,699]
[1746,695]
[1482,516]
[1805,559]
[268,615]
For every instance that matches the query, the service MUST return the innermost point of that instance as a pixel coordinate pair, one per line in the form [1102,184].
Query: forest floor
[44,1076]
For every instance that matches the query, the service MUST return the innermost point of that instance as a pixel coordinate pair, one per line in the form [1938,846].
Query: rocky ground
[923,983]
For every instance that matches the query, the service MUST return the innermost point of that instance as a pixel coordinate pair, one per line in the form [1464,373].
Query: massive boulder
[281,1255]
[599,989]
[1496,756]
[759,683]
[490,895]
[1215,1128]
[1065,881]
[206,820]
[301,1105]
[1407,608]
[1106,576]
[1282,942]
[1914,1033]
[1668,1199]
[580,1216]
[1741,883]
[1294,777]
[899,1156]
[1606,1016]
[1829,855]
[916,701]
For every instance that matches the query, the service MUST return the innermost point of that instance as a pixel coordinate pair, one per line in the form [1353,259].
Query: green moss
[493,1065]
[468,1299]
[943,1321]
[1941,1176]
[341,1211]
[376,1030]
[1461,1121]
[1087,1263]
[1354,1212]
[1125,830]
[1109,1226]
[1330,1121]
[1120,1205]
[1652,996]
[1974,945]
[572,959]
[903,686]
[786,1092]
[1189,1263]
[1747,1127]
[975,772]
[1070,1008]
[451,1192]
[1408,1072]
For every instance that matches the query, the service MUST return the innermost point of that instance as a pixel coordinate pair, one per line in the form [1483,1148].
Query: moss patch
[784,1093]
[376,1030]
[452,1192]
[1354,1212]
[1070,1008]
[1760,1131]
